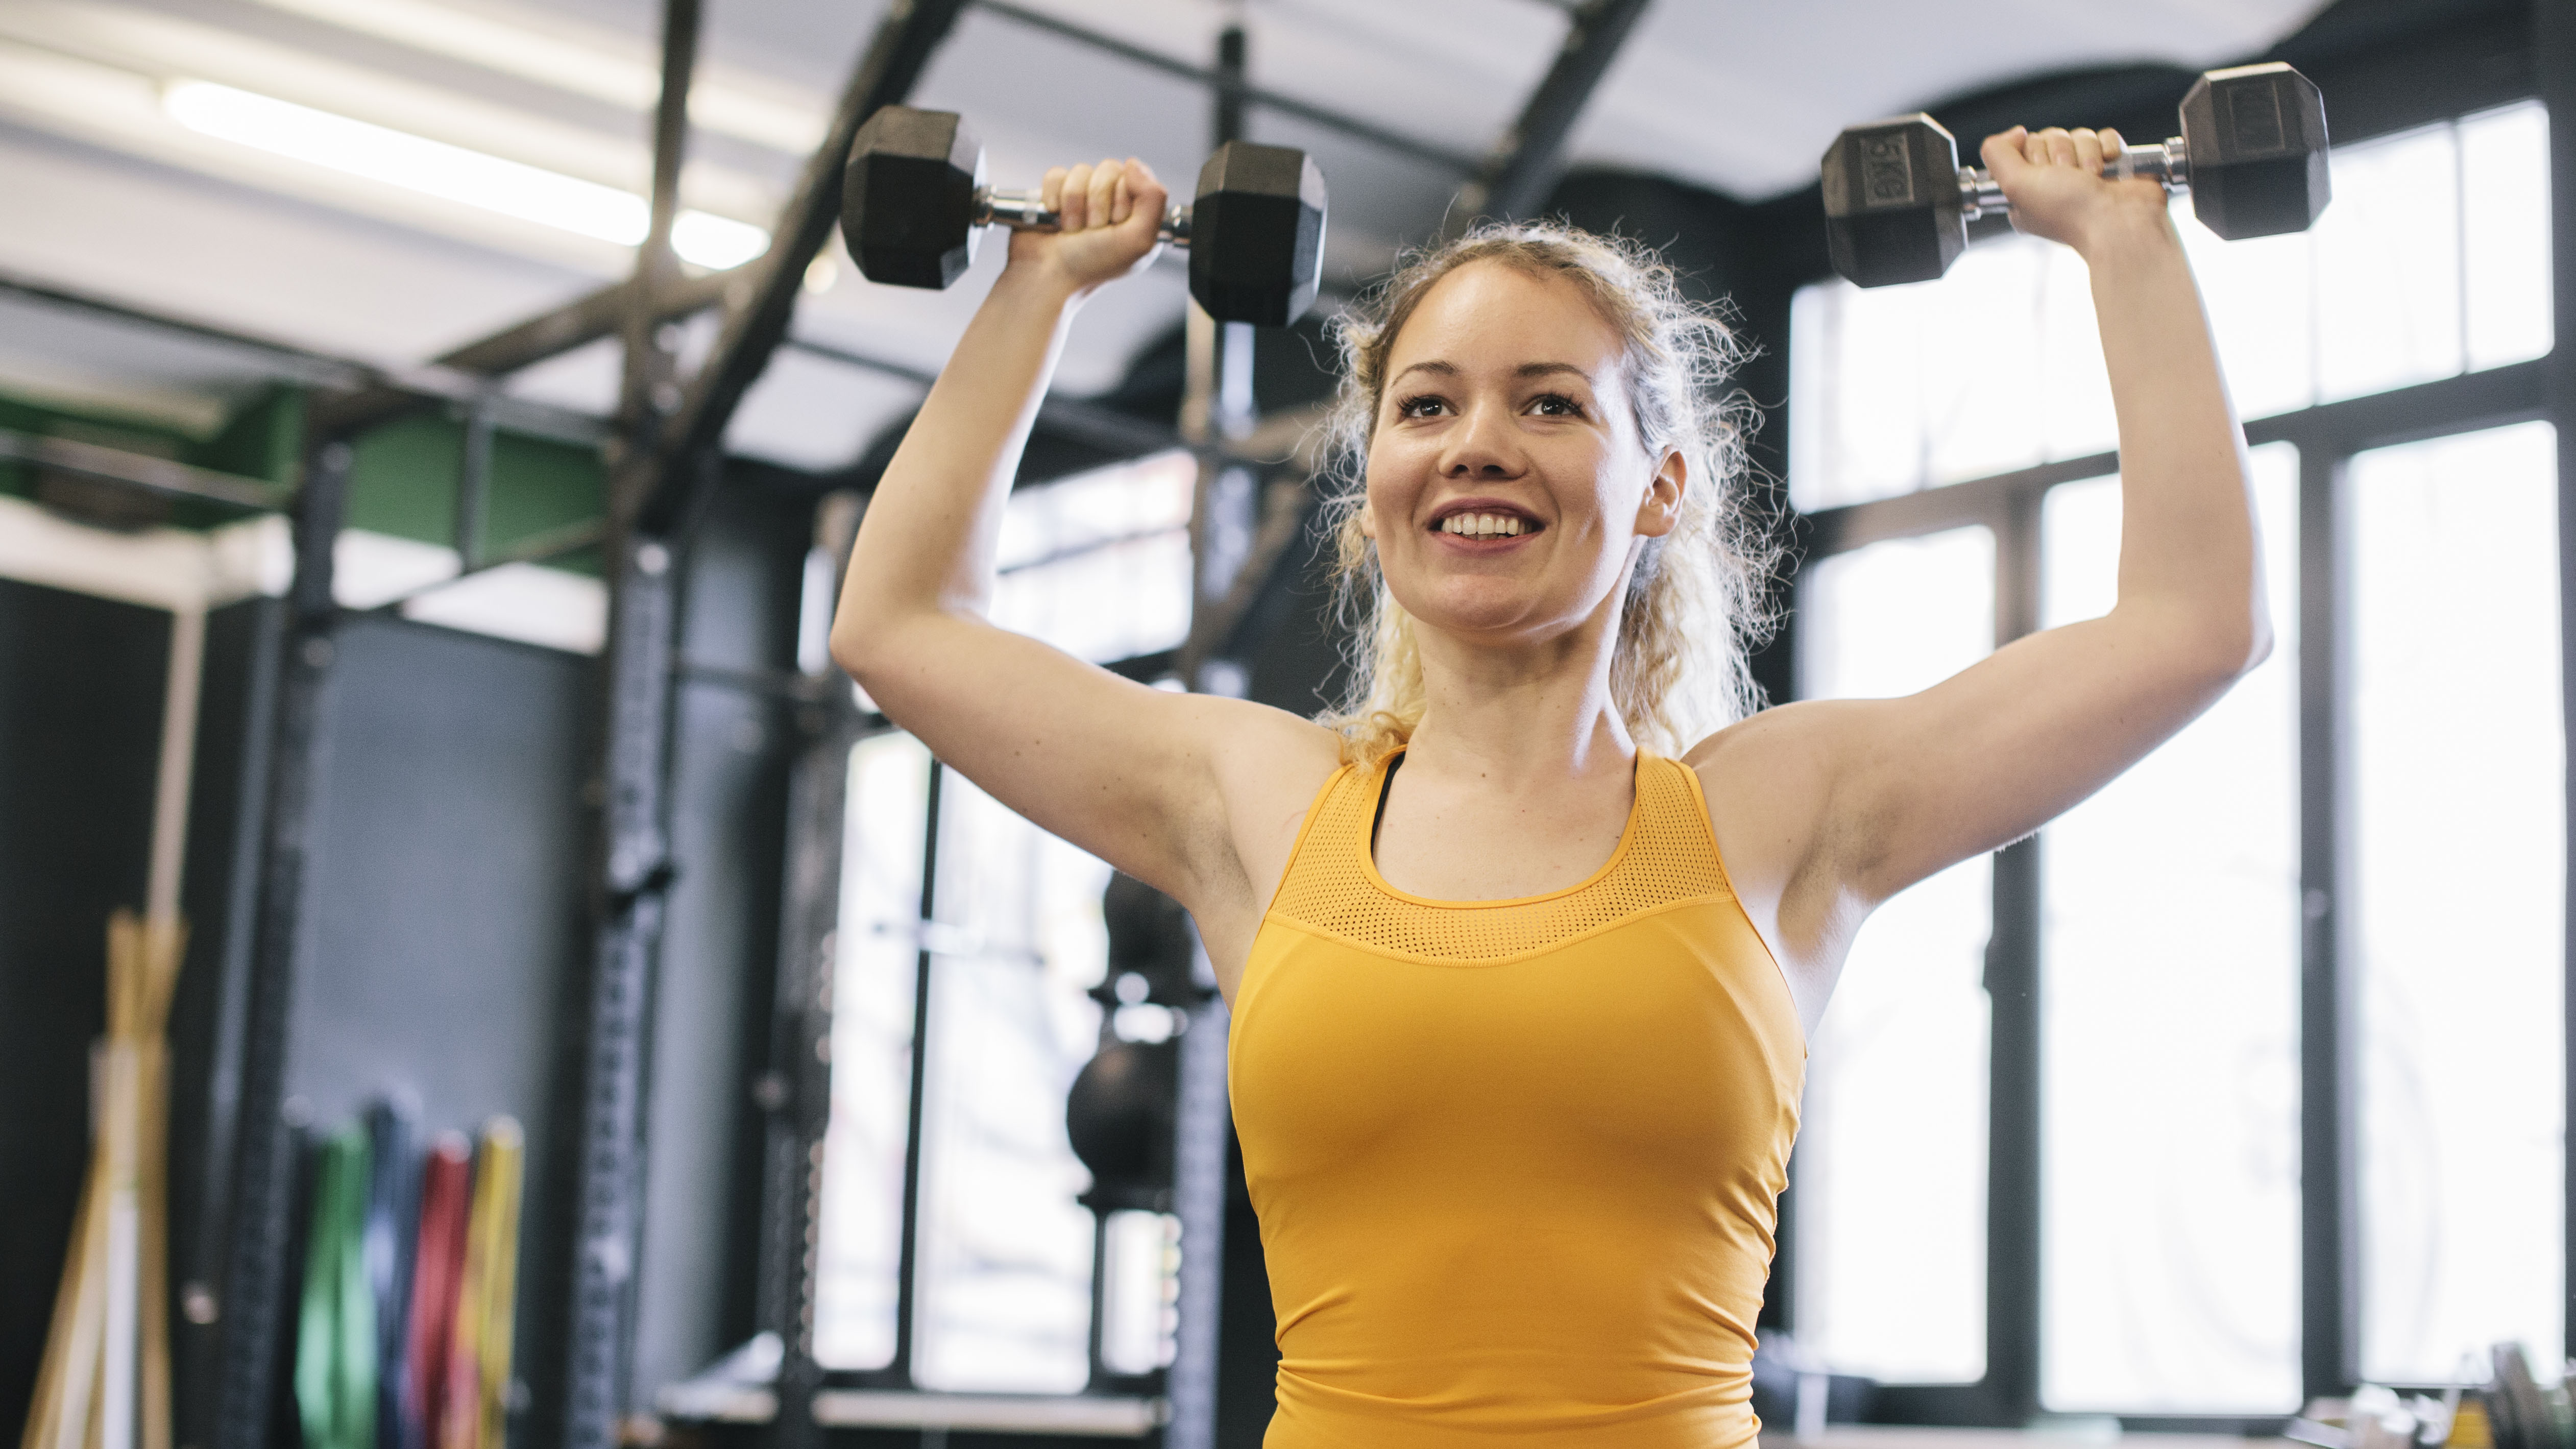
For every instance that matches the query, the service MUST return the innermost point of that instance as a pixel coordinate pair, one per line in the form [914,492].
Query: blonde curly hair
[1697,600]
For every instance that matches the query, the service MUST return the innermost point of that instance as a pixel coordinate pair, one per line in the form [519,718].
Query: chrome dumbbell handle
[2169,163]
[1026,210]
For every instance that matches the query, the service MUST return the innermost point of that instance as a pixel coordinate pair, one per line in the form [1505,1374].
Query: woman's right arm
[1137,776]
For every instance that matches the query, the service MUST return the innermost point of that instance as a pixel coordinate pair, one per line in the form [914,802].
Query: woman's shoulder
[1769,777]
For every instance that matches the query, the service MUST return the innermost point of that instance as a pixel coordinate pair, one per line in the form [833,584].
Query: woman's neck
[1522,715]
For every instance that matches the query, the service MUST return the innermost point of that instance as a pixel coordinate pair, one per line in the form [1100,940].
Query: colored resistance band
[393,1210]
[437,1268]
[477,1391]
[336,1346]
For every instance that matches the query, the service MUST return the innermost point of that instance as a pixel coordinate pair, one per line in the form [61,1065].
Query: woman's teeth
[1482,525]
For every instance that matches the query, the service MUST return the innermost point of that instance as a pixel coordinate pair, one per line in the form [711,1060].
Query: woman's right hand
[1109,219]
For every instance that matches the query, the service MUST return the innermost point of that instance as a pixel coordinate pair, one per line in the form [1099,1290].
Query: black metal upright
[2553,45]
[252,1304]
[1524,162]
[633,869]
[662,470]
[2013,995]
[794,1093]
[2329,1016]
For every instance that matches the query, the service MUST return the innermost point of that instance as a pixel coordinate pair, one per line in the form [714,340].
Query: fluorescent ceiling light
[452,173]
[749,109]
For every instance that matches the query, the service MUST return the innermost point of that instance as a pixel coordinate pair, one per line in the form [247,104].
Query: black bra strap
[1384,788]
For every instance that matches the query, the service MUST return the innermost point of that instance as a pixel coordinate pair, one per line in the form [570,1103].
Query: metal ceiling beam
[1516,175]
[575,324]
[409,389]
[1270,100]
[911,31]
[1075,418]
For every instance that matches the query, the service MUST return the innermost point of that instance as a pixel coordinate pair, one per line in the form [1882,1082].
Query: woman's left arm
[1989,755]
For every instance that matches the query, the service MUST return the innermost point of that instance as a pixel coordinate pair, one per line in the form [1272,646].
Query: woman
[1520,1004]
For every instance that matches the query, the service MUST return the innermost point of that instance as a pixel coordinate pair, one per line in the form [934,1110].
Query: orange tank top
[1516,1162]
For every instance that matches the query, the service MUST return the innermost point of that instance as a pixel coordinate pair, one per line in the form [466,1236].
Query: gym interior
[473,970]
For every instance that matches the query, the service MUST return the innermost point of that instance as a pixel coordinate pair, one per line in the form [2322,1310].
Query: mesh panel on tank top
[1666,857]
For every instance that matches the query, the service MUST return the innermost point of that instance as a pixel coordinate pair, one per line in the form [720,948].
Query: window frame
[2327,437]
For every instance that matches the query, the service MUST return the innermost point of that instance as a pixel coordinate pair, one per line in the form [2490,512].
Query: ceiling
[102,191]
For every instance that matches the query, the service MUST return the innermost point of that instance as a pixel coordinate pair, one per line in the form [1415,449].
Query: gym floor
[734,1070]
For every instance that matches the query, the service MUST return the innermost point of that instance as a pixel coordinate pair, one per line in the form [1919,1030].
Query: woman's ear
[1661,509]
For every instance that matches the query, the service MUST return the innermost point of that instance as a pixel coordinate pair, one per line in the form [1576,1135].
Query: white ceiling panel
[107,193]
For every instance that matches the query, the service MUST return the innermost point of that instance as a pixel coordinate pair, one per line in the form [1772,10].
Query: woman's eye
[1420,407]
[1556,405]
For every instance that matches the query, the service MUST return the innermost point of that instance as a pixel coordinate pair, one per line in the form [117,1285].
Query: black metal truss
[1215,78]
[1516,175]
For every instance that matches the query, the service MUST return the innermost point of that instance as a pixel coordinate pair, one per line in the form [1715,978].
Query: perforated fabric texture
[1667,856]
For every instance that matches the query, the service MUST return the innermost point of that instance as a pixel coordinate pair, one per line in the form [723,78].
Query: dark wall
[445,905]
[80,736]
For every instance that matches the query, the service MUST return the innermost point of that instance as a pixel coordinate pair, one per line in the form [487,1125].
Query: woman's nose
[1483,448]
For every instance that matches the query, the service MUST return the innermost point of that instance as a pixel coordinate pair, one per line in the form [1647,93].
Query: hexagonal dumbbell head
[908,197]
[2257,136]
[1892,211]
[1257,234]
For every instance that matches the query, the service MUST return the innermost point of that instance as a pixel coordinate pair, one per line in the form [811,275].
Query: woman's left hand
[2055,183]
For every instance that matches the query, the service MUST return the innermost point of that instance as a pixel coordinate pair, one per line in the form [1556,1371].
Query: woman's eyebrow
[1544,369]
[1525,370]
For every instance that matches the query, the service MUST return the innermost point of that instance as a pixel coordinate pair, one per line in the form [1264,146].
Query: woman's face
[1507,487]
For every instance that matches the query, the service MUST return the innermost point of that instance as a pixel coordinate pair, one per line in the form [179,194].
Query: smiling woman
[1693,608]
[1519,1036]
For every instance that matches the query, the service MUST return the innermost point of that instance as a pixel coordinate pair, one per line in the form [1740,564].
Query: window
[1895,1107]
[2432,260]
[1088,564]
[2176,915]
[874,956]
[2169,974]
[2459,878]
[1004,1276]
[1010,944]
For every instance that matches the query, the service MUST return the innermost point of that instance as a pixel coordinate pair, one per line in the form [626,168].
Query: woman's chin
[1483,613]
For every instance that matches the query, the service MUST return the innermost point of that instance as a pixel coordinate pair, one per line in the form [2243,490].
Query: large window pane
[1098,565]
[2169,1061]
[2388,265]
[2459,839]
[2433,257]
[2504,233]
[876,953]
[1891,1159]
[1005,1250]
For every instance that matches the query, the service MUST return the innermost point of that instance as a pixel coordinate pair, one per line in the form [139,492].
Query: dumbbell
[914,204]
[2252,155]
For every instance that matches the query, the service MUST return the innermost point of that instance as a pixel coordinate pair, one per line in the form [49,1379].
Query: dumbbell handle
[2169,163]
[1025,210]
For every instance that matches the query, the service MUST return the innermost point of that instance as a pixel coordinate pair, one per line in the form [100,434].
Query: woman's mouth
[1484,523]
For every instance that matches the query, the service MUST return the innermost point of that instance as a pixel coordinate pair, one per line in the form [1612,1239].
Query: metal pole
[1269,100]
[473,486]
[2554,64]
[1221,526]
[252,1306]
[632,888]
[2329,1007]
[2011,1386]
[1523,164]
[795,1093]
